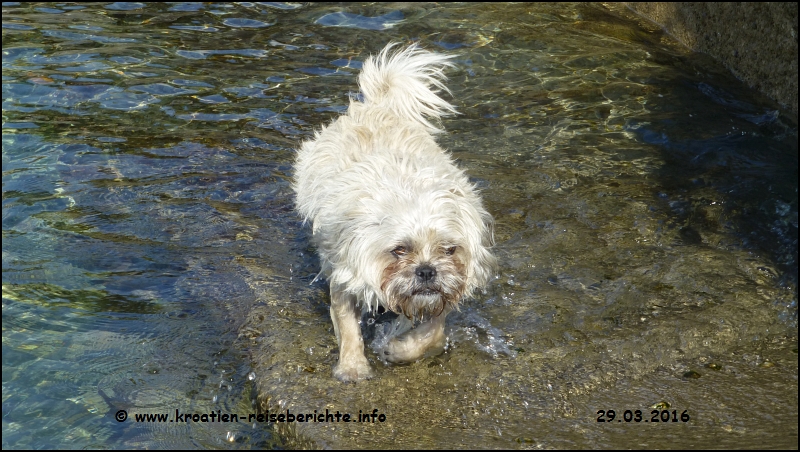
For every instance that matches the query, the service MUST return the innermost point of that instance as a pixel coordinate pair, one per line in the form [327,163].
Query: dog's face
[424,275]
[415,245]
[419,254]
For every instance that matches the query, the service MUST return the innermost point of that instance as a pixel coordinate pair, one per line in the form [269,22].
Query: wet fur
[395,221]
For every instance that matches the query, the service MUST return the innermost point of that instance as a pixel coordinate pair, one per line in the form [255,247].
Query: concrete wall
[756,41]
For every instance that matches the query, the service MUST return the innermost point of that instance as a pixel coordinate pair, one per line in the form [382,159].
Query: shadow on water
[753,183]
[646,224]
[715,136]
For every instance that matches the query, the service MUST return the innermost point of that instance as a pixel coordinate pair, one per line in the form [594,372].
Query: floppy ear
[480,237]
[484,264]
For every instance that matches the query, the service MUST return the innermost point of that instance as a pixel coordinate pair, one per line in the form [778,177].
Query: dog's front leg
[353,365]
[424,340]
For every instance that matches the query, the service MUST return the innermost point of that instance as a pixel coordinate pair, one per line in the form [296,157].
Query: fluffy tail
[406,81]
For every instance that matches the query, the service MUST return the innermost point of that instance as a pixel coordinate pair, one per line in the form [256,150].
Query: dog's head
[424,274]
[419,253]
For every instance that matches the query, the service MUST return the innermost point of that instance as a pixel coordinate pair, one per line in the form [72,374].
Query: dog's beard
[416,297]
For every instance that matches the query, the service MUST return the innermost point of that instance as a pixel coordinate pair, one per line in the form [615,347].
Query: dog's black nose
[426,273]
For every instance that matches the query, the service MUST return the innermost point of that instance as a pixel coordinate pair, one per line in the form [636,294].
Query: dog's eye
[450,251]
[399,251]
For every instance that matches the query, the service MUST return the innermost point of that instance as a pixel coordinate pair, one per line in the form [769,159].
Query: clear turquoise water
[646,208]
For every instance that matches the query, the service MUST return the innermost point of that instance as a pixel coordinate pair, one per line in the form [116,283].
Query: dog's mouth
[426,292]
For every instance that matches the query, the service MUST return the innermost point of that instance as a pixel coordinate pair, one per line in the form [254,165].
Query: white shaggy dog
[395,221]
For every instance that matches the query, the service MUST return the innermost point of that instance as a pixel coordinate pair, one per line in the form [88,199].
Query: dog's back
[399,105]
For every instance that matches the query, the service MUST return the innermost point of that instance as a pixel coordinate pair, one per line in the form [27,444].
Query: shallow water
[645,200]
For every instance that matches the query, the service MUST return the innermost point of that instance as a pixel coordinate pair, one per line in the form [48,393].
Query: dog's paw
[409,348]
[356,371]
[403,350]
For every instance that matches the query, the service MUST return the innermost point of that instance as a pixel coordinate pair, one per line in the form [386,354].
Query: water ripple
[124,6]
[161,89]
[245,23]
[350,20]
[83,36]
